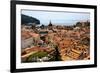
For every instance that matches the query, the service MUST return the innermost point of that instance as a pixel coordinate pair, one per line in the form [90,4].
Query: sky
[59,18]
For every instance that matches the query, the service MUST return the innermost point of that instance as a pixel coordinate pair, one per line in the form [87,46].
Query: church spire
[50,24]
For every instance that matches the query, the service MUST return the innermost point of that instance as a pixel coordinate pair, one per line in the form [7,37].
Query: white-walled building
[26,39]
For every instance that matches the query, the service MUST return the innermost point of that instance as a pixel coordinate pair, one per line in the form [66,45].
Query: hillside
[27,19]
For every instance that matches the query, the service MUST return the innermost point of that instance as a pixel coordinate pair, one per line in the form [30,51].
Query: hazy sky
[57,17]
